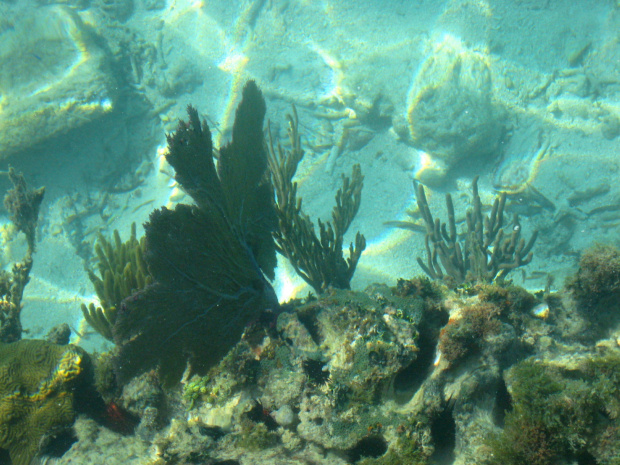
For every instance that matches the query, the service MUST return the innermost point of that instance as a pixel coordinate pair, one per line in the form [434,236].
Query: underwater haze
[383,233]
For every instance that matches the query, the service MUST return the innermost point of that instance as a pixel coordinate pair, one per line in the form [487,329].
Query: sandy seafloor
[554,64]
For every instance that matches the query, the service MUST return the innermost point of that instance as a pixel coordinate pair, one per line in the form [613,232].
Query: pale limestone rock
[53,76]
[450,111]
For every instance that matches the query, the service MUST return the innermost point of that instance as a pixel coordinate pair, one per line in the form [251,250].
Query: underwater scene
[310,232]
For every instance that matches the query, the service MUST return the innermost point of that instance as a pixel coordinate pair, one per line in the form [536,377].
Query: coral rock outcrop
[36,394]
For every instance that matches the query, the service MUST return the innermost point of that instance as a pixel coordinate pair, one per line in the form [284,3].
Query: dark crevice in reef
[316,372]
[585,458]
[59,443]
[409,380]
[371,446]
[258,414]
[503,404]
[308,319]
[443,430]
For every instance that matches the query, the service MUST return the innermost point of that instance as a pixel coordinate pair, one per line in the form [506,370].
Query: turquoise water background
[525,94]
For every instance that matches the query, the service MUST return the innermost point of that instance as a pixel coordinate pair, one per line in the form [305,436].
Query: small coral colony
[176,301]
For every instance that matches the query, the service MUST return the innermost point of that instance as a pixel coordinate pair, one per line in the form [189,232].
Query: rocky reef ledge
[411,374]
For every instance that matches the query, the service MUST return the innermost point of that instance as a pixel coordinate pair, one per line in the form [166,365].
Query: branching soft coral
[23,205]
[490,249]
[318,259]
[122,271]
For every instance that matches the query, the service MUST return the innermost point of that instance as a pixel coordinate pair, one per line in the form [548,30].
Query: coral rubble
[326,379]
[384,377]
[561,411]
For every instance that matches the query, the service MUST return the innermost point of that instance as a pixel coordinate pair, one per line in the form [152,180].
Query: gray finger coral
[490,249]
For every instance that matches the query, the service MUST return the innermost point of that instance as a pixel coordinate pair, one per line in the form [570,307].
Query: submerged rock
[53,76]
[450,111]
[408,375]
[37,383]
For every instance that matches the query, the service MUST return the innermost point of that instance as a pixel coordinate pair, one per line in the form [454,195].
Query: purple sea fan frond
[208,260]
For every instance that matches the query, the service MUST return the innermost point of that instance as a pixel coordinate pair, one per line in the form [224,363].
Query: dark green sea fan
[208,260]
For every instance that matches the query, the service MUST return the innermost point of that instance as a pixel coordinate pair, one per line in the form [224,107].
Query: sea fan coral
[208,260]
